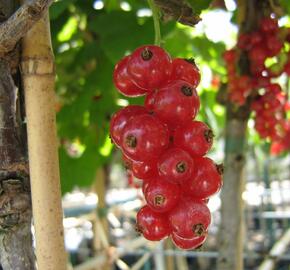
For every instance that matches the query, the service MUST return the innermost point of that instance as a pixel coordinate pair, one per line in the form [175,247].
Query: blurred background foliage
[89,37]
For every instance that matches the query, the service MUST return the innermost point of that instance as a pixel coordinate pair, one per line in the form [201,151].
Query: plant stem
[155,14]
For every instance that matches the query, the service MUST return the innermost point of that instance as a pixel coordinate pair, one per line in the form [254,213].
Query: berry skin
[176,103]
[144,138]
[206,179]
[123,81]
[145,170]
[120,119]
[258,55]
[190,218]
[150,100]
[185,70]
[149,67]
[274,45]
[161,195]
[244,41]
[195,137]
[187,243]
[269,25]
[153,226]
[175,165]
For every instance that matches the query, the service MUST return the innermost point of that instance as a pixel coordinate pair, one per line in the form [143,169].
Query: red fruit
[274,45]
[144,138]
[185,243]
[256,38]
[150,100]
[123,81]
[176,103]
[120,119]
[152,225]
[206,179]
[161,195]
[175,164]
[145,170]
[269,25]
[128,163]
[190,218]
[230,56]
[244,42]
[274,88]
[149,67]
[258,55]
[185,70]
[195,137]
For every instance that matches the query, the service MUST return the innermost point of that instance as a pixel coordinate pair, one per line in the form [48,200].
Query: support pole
[38,75]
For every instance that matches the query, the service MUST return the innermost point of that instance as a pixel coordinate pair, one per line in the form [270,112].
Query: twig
[20,22]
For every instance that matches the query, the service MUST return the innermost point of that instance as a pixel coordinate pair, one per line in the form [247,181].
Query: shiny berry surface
[145,169]
[149,67]
[144,138]
[185,70]
[176,103]
[190,218]
[161,195]
[152,225]
[123,81]
[187,243]
[175,165]
[206,179]
[120,118]
[194,137]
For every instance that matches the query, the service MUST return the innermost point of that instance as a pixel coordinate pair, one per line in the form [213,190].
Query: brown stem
[20,22]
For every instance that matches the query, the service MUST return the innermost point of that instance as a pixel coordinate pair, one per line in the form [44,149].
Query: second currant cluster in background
[164,146]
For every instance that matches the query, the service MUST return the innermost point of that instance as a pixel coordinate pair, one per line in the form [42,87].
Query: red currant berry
[120,119]
[144,138]
[152,225]
[150,100]
[175,164]
[269,25]
[206,179]
[149,67]
[145,170]
[256,38]
[195,137]
[185,70]
[190,218]
[230,56]
[176,103]
[258,55]
[274,45]
[244,42]
[161,195]
[123,81]
[187,243]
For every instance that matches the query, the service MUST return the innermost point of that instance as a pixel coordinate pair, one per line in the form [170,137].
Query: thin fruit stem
[155,14]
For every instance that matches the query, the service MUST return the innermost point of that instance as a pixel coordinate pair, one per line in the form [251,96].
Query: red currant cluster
[269,101]
[165,147]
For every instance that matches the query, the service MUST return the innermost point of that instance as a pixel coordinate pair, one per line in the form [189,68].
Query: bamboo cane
[38,79]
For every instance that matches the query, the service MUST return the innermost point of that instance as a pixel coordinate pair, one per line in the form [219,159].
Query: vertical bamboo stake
[38,80]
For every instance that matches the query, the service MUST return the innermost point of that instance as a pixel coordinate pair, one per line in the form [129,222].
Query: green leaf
[199,5]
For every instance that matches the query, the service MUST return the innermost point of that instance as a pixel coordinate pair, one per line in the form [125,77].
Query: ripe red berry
[230,56]
[244,41]
[190,218]
[256,38]
[194,137]
[161,195]
[120,119]
[152,225]
[150,100]
[274,45]
[269,25]
[258,55]
[206,179]
[149,67]
[123,81]
[185,70]
[176,103]
[187,243]
[145,170]
[175,164]
[144,138]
